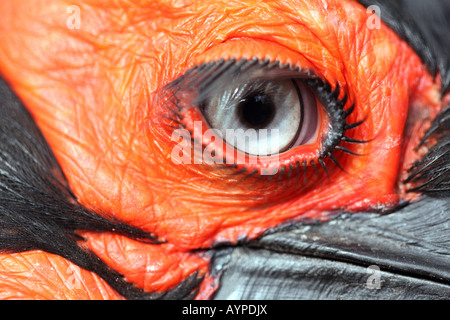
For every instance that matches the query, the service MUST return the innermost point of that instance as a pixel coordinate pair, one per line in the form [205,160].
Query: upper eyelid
[205,74]
[204,77]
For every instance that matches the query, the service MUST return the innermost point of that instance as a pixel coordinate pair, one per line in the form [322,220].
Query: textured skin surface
[39,275]
[94,93]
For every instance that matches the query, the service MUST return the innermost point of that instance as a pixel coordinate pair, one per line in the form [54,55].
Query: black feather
[432,172]
[39,212]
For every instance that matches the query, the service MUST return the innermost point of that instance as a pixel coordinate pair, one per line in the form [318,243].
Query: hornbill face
[140,182]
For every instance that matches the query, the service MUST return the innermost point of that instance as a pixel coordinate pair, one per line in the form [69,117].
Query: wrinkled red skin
[95,94]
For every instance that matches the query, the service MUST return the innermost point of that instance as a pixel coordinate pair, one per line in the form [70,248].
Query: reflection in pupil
[257,110]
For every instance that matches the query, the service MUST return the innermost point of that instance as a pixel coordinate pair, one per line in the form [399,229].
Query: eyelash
[338,121]
[204,76]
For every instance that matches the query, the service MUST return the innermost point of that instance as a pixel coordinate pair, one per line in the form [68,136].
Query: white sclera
[285,129]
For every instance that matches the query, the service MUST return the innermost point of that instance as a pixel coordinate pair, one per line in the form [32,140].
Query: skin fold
[96,94]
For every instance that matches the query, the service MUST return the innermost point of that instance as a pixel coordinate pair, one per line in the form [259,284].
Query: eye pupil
[257,110]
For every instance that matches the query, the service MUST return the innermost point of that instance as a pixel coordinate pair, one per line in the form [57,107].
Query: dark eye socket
[287,104]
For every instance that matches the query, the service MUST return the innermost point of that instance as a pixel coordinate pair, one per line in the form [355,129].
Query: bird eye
[282,113]
[279,117]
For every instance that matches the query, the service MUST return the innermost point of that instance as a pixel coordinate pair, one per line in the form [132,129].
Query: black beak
[403,255]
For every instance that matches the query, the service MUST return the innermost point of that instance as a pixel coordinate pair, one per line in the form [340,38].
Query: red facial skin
[95,93]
